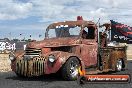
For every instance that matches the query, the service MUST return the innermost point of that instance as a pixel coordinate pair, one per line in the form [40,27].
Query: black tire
[69,70]
[119,65]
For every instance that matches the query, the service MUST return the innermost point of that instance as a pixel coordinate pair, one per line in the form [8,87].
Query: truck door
[89,46]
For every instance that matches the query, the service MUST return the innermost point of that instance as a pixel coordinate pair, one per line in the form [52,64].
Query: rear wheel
[70,69]
[119,65]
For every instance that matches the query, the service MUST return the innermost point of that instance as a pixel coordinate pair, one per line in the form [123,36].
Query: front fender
[61,58]
[18,55]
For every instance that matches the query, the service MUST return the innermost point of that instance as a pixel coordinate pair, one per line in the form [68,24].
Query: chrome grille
[32,51]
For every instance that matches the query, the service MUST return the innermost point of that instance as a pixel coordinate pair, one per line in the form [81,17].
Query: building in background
[12,45]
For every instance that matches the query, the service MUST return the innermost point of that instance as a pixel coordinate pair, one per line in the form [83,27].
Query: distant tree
[16,40]
[29,40]
[6,39]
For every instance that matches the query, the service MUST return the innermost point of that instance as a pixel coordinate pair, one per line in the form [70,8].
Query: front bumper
[31,67]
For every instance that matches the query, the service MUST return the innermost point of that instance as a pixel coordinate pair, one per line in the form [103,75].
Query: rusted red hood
[54,42]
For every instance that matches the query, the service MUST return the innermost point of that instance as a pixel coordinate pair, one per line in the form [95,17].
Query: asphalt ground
[10,80]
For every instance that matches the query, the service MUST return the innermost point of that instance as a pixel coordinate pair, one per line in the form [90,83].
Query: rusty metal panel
[110,55]
[106,58]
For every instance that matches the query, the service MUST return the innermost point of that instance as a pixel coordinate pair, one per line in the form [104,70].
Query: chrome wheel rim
[119,65]
[73,69]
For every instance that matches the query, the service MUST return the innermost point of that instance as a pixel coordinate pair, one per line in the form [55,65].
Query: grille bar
[32,51]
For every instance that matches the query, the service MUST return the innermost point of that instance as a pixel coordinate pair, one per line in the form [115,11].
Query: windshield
[63,31]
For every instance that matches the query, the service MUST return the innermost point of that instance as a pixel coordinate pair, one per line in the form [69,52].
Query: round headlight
[51,58]
[11,56]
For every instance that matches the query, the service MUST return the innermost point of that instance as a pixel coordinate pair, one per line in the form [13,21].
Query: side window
[88,33]
[85,33]
[74,31]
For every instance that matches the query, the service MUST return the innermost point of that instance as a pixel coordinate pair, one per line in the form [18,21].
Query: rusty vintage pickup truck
[67,46]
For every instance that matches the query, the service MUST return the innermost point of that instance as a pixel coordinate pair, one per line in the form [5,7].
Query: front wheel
[70,69]
[119,65]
